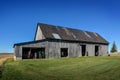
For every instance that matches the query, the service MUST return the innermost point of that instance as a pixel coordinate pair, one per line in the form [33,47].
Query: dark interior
[83,50]
[33,53]
[64,52]
[96,50]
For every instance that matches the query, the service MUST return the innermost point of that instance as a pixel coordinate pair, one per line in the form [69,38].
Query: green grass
[83,68]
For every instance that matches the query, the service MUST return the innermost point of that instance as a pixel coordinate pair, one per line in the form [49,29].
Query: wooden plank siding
[52,48]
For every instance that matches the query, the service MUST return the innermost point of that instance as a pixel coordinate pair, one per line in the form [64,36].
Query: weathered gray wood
[52,48]
[39,34]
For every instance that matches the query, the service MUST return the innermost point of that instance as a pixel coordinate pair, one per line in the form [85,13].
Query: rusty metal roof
[64,33]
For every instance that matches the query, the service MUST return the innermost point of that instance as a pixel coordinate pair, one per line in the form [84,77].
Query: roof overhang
[58,40]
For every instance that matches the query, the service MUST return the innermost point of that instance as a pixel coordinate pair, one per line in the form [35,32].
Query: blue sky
[19,18]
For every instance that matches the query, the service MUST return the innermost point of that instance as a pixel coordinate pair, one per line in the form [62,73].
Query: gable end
[38,35]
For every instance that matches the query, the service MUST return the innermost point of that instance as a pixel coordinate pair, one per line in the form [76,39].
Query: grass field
[83,68]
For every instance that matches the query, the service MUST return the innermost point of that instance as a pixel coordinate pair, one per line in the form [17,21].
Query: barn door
[33,53]
[83,48]
[96,50]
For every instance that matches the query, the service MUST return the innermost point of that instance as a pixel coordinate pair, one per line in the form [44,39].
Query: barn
[52,41]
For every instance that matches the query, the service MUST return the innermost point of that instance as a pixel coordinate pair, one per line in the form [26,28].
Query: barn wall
[104,50]
[74,49]
[17,52]
[52,49]
[90,49]
[18,49]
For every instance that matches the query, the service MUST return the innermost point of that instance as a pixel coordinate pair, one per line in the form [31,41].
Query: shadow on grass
[1,70]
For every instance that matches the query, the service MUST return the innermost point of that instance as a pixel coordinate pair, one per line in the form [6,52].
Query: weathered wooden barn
[55,42]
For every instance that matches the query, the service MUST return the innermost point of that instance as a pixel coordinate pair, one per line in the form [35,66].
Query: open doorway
[83,48]
[96,50]
[64,52]
[33,53]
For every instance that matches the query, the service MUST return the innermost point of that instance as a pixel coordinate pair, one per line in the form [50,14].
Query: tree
[114,48]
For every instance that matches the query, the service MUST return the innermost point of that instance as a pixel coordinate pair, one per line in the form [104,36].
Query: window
[56,36]
[87,34]
[67,31]
[95,34]
[74,36]
[64,52]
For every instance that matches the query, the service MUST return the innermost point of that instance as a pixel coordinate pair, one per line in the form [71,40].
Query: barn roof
[63,33]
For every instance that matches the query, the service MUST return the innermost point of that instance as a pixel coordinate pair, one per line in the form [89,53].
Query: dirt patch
[115,54]
[6,55]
